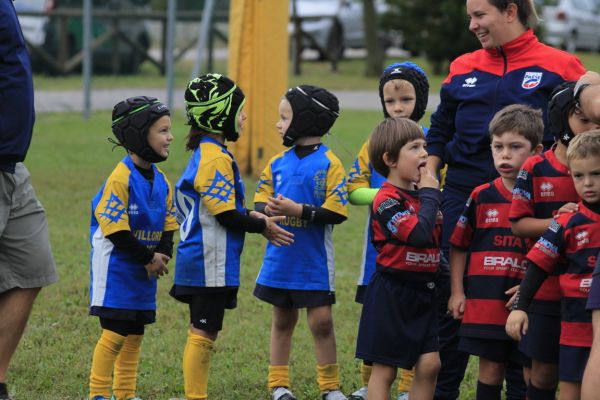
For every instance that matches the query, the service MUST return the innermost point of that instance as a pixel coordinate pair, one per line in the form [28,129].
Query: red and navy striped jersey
[576,238]
[496,259]
[593,302]
[395,216]
[542,187]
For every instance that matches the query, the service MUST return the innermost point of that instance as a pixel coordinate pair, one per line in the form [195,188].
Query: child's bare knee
[322,327]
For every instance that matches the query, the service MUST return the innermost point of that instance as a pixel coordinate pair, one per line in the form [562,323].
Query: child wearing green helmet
[213,220]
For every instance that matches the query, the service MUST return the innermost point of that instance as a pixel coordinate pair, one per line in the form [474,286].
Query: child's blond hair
[389,137]
[586,144]
[521,119]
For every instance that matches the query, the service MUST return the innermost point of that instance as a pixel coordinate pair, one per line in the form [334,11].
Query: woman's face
[488,23]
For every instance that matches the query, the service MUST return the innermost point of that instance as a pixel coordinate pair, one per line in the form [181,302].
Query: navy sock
[534,393]
[488,392]
[3,388]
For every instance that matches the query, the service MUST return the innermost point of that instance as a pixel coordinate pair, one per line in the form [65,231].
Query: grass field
[69,159]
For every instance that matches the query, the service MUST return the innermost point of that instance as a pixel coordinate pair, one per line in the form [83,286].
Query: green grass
[69,159]
[349,76]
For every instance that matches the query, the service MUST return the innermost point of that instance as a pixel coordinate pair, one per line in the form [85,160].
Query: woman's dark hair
[525,10]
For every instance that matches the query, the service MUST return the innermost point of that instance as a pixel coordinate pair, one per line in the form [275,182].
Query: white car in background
[33,27]
[334,35]
[571,24]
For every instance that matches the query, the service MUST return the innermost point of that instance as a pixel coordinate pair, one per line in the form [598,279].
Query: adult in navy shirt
[26,263]
[512,67]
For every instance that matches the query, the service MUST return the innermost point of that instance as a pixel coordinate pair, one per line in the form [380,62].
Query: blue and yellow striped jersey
[127,202]
[318,180]
[208,254]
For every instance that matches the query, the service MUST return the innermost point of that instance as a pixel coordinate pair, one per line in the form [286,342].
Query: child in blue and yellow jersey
[131,233]
[307,185]
[213,219]
[569,246]
[398,326]
[404,91]
[483,244]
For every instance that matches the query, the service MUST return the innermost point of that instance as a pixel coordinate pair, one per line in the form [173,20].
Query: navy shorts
[398,322]
[288,298]
[572,363]
[496,350]
[360,294]
[541,343]
[207,305]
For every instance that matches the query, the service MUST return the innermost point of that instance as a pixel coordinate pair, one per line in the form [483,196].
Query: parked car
[572,24]
[45,32]
[335,34]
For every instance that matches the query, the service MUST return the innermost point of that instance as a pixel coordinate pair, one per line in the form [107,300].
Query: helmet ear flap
[131,121]
[562,102]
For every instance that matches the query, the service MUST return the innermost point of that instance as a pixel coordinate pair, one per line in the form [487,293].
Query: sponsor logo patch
[531,80]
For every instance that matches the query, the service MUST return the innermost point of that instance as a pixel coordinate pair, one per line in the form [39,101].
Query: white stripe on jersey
[328,239]
[214,242]
[100,259]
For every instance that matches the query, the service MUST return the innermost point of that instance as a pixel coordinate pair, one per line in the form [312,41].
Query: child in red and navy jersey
[495,256]
[574,237]
[592,370]
[542,190]
[398,325]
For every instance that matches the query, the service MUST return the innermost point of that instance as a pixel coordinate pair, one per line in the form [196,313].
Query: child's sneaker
[101,398]
[282,393]
[131,398]
[333,395]
[402,396]
[360,394]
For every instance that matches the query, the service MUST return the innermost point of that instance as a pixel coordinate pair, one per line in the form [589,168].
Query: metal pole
[203,34]
[87,58]
[171,9]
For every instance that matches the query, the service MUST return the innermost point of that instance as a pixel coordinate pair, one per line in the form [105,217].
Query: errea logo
[470,82]
[491,215]
[582,238]
[546,189]
[133,209]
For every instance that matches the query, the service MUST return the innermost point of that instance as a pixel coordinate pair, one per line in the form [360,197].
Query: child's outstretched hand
[158,266]
[427,180]
[517,324]
[273,232]
[568,208]
[283,206]
[512,292]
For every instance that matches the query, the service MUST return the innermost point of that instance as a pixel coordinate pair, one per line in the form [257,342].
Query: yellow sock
[406,378]
[103,362]
[279,375]
[196,363]
[328,377]
[365,373]
[126,365]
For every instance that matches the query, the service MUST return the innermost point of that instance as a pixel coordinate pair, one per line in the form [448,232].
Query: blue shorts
[496,350]
[541,343]
[288,298]
[572,363]
[398,322]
